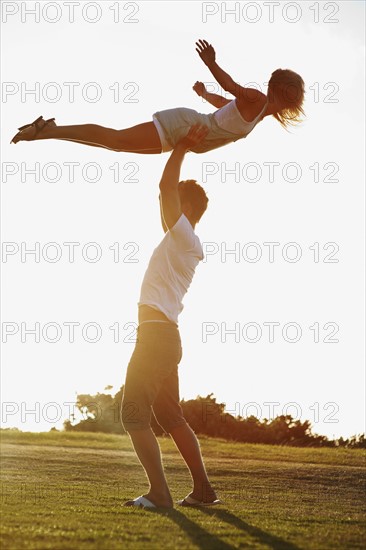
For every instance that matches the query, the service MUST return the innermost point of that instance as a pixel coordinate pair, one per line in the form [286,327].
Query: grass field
[66,490]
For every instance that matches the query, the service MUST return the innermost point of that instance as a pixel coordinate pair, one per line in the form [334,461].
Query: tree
[101,413]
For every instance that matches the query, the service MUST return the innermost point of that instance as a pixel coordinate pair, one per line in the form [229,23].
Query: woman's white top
[229,118]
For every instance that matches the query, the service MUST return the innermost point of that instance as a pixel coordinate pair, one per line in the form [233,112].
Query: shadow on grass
[203,539]
[199,536]
[272,541]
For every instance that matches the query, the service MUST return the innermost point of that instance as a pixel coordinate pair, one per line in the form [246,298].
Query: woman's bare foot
[33,130]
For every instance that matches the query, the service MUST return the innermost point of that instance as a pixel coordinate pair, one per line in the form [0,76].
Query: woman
[233,120]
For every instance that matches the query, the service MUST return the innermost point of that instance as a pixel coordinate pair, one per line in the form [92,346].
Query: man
[152,373]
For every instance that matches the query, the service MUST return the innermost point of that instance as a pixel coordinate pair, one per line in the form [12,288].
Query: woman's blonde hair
[287,89]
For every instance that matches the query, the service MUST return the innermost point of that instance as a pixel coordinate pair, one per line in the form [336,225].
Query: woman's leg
[142,138]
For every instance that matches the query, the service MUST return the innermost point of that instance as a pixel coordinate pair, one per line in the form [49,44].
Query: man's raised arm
[163,224]
[169,194]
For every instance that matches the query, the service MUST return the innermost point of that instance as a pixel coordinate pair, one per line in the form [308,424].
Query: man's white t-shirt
[171,269]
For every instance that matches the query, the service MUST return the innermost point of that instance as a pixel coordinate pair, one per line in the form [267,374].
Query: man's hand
[199,88]
[206,52]
[196,134]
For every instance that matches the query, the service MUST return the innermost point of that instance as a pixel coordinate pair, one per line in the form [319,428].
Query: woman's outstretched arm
[208,56]
[215,99]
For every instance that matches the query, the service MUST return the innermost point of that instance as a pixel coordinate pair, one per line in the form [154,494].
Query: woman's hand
[196,134]
[206,52]
[199,88]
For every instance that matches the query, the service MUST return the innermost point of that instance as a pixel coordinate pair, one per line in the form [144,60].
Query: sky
[274,320]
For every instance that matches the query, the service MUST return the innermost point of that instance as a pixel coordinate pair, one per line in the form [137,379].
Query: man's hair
[190,191]
[287,88]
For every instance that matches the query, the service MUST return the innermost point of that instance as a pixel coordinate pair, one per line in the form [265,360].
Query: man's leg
[150,365]
[188,445]
[148,451]
[169,414]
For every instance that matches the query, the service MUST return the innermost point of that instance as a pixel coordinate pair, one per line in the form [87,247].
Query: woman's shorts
[152,383]
[173,124]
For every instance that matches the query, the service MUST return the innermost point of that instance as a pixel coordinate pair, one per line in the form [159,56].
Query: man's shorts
[152,382]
